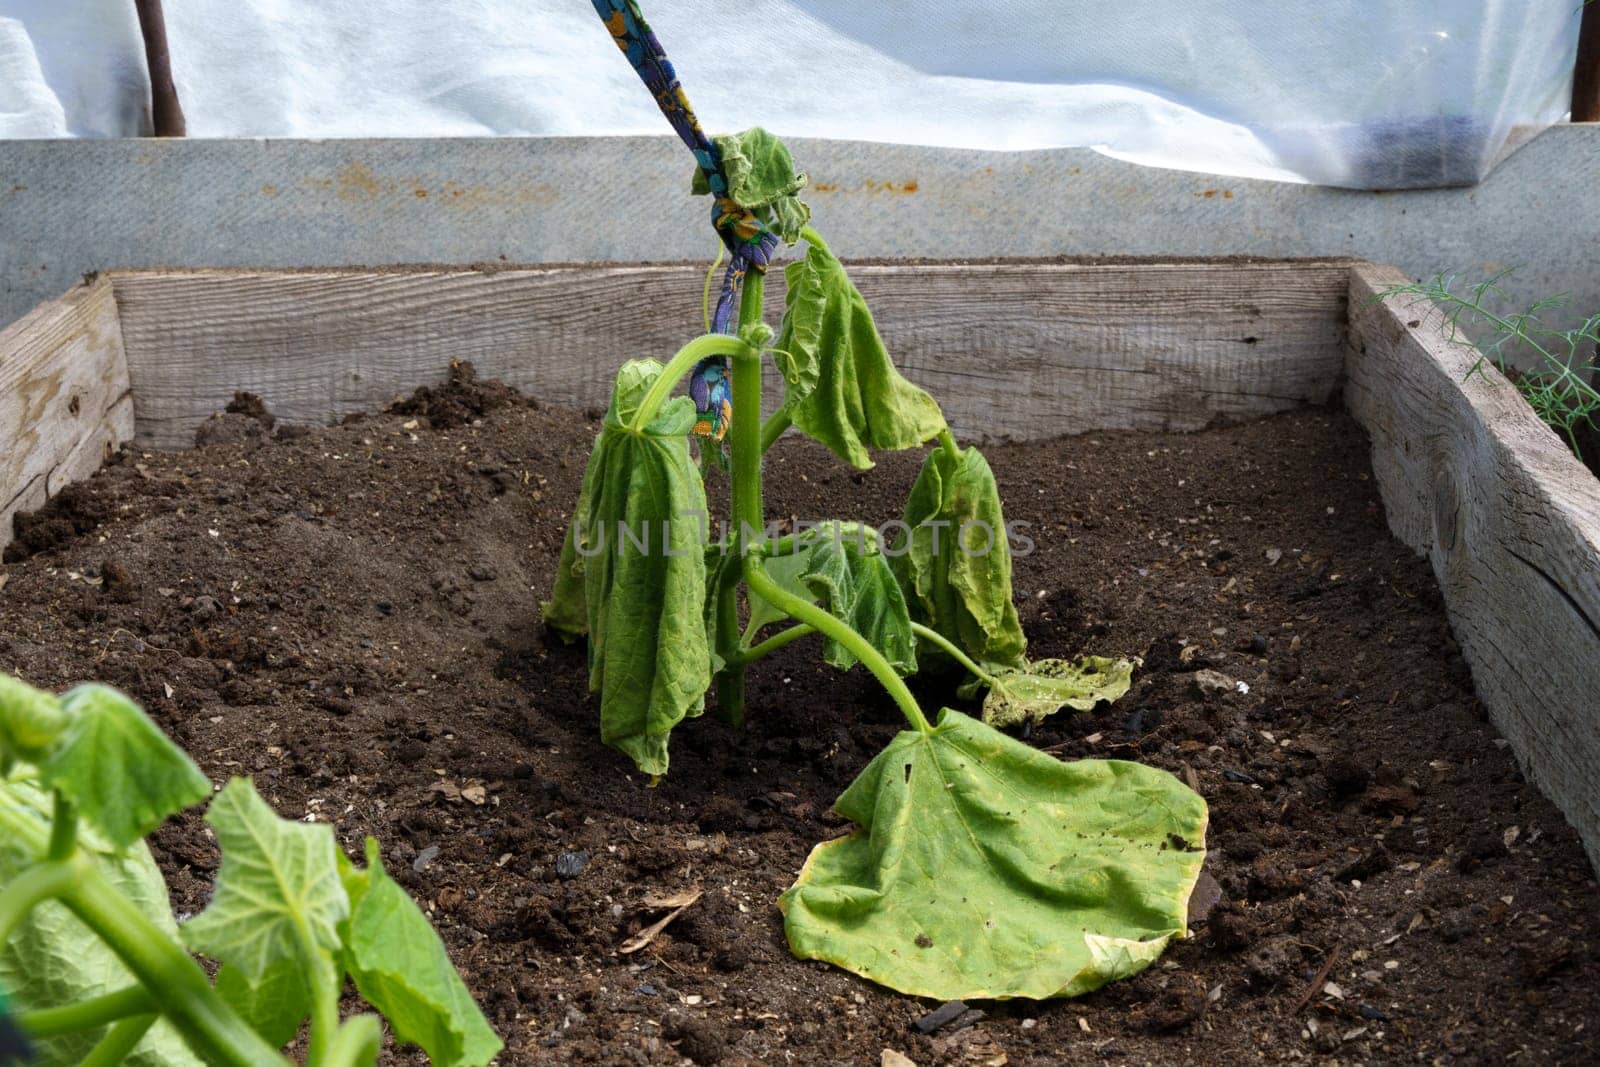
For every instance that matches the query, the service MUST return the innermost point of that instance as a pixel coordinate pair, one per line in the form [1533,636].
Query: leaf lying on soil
[1043,687]
[983,868]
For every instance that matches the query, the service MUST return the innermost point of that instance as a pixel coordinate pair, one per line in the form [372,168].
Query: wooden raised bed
[1469,477]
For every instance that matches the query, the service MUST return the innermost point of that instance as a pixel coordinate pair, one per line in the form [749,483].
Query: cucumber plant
[99,973]
[979,866]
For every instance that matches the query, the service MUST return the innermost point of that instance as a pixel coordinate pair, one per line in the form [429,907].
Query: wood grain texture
[1011,349]
[1510,521]
[64,397]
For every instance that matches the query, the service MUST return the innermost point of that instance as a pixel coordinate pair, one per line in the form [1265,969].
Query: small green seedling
[979,867]
[1561,389]
[100,974]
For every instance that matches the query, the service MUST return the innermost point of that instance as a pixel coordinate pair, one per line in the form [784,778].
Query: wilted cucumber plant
[98,972]
[980,867]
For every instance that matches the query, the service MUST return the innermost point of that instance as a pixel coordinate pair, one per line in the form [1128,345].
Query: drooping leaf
[839,566]
[855,400]
[402,969]
[983,868]
[953,558]
[761,177]
[278,879]
[273,1006]
[52,959]
[121,772]
[1043,687]
[634,565]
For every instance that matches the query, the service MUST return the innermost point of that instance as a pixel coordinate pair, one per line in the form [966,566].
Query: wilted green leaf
[277,890]
[1043,687]
[854,400]
[634,564]
[839,566]
[52,959]
[761,178]
[955,563]
[401,967]
[123,774]
[983,868]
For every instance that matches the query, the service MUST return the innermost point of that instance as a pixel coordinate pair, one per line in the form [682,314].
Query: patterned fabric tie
[750,242]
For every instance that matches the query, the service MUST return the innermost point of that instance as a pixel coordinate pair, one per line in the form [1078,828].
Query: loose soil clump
[349,614]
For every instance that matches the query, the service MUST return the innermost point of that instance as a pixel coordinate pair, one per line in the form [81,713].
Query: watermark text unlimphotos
[692,532]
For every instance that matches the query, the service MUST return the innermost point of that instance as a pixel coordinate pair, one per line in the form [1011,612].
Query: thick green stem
[358,1043]
[711,344]
[206,1022]
[88,1014]
[947,441]
[775,642]
[31,888]
[744,438]
[934,637]
[120,1042]
[805,611]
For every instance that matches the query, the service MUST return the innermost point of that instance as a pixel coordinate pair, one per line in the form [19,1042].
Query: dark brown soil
[349,615]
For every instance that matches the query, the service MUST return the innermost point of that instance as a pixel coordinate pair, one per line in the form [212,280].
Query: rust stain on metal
[868,185]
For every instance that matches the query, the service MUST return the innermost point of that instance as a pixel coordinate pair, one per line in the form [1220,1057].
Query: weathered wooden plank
[1015,349]
[1473,480]
[64,397]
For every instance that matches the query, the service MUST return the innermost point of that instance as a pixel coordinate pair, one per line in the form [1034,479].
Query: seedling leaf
[858,401]
[278,893]
[401,967]
[275,1005]
[116,766]
[840,567]
[634,565]
[30,719]
[955,562]
[52,958]
[1043,687]
[983,868]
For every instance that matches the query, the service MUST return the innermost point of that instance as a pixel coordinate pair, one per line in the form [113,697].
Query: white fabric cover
[1364,93]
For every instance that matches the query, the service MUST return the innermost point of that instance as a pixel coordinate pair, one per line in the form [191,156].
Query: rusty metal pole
[166,115]
[1586,77]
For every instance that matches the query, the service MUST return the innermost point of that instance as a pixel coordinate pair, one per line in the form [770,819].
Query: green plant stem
[934,637]
[324,998]
[812,237]
[212,1029]
[63,829]
[120,1042]
[703,347]
[357,1043]
[804,611]
[864,533]
[774,428]
[776,641]
[947,441]
[88,1014]
[31,888]
[744,437]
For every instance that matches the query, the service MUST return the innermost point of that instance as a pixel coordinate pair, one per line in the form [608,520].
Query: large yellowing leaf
[955,562]
[983,868]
